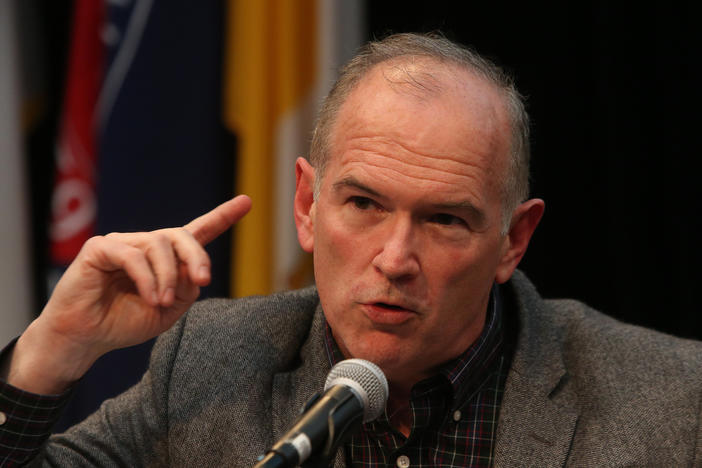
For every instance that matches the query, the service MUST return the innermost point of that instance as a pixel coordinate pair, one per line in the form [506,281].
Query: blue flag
[163,156]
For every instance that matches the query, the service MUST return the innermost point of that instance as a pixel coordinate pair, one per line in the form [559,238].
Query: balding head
[406,57]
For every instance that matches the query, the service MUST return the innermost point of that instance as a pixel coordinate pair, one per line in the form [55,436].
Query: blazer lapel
[535,428]
[539,412]
[292,390]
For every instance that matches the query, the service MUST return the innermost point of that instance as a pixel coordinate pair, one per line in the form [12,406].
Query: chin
[384,353]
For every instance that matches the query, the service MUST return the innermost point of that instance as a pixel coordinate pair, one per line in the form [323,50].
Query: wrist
[45,364]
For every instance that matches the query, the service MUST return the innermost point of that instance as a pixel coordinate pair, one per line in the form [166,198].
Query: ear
[524,221]
[304,203]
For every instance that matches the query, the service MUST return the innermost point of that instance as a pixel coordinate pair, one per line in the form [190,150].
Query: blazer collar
[291,390]
[539,407]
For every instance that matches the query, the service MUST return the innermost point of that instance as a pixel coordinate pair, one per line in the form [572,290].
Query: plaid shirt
[454,413]
[26,420]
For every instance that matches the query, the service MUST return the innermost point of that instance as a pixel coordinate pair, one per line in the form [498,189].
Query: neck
[398,409]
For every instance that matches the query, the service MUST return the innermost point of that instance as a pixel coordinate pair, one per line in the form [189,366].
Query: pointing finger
[207,227]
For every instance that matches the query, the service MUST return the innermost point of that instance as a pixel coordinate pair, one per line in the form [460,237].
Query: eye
[362,203]
[446,219]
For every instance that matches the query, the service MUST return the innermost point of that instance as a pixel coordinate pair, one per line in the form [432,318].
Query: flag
[281,58]
[73,205]
[15,275]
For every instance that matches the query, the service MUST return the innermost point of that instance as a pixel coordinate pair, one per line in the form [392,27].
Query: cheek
[458,274]
[339,246]
[336,262]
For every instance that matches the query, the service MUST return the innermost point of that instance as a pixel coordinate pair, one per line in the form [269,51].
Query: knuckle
[96,239]
[133,255]
[181,232]
[93,243]
[160,238]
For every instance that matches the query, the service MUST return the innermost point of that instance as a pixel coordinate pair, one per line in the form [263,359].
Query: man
[414,205]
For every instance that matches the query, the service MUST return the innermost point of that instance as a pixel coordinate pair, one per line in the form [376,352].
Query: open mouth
[382,313]
[389,306]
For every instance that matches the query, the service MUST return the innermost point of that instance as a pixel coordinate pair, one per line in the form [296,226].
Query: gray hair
[515,186]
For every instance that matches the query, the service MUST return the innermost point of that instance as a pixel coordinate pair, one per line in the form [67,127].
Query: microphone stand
[342,421]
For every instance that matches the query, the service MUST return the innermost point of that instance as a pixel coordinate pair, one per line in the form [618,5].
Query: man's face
[406,227]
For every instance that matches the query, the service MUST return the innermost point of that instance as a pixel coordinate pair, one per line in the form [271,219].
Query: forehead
[435,117]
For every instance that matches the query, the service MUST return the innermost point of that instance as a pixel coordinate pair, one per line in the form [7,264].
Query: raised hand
[122,289]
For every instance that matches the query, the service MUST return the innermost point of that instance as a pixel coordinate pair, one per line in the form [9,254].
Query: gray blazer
[228,379]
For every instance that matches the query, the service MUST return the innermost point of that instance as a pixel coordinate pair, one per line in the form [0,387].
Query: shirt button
[3,418]
[403,461]
[457,415]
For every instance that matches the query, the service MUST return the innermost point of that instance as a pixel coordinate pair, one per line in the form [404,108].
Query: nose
[398,258]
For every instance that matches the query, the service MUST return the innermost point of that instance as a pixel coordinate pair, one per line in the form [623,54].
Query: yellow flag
[277,66]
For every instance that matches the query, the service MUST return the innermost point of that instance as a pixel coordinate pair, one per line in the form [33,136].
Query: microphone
[355,391]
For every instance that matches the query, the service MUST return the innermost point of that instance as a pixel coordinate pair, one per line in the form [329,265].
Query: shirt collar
[467,372]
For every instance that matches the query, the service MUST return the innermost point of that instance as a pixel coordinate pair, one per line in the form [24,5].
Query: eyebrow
[476,214]
[350,181]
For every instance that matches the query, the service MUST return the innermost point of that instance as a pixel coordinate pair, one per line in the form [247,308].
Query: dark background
[614,100]
[613,96]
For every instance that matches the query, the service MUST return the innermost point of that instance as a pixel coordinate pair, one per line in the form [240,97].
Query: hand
[122,289]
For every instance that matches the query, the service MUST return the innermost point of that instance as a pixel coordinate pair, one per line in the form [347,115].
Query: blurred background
[126,115]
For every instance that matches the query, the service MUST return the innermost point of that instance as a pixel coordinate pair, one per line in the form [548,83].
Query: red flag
[73,203]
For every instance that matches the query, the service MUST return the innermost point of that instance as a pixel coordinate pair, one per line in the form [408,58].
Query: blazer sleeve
[129,430]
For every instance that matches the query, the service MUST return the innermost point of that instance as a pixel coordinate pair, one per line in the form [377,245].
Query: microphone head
[367,382]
